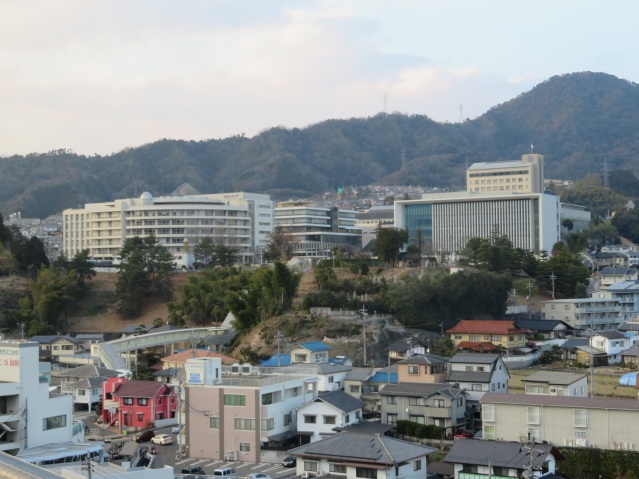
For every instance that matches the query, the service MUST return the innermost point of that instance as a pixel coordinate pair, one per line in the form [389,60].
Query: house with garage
[436,404]
[328,412]
[354,455]
[476,459]
[135,405]
[556,383]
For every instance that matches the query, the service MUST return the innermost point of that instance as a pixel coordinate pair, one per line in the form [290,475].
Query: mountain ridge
[575,120]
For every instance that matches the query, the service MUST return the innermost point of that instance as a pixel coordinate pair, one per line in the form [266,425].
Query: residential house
[478,459]
[478,374]
[86,340]
[631,355]
[178,360]
[437,404]
[223,339]
[352,455]
[546,328]
[136,405]
[557,383]
[28,412]
[374,384]
[596,313]
[355,379]
[611,275]
[423,368]
[612,343]
[611,260]
[135,330]
[604,423]
[52,347]
[404,348]
[580,352]
[233,414]
[487,335]
[84,383]
[323,415]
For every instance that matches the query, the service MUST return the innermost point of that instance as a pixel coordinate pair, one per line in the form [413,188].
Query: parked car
[463,434]
[289,461]
[225,473]
[144,436]
[258,475]
[176,429]
[162,439]
[194,470]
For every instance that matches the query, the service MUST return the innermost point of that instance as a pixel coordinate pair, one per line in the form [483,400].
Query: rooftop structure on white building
[316,228]
[240,220]
[524,176]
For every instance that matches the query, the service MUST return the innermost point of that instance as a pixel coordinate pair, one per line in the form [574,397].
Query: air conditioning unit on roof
[236,369]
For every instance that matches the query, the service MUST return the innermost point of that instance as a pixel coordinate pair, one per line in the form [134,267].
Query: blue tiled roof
[315,346]
[339,361]
[285,360]
[382,377]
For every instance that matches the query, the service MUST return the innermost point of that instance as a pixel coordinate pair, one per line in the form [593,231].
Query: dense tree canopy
[389,242]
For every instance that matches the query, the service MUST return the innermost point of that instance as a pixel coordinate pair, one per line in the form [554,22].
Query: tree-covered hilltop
[575,120]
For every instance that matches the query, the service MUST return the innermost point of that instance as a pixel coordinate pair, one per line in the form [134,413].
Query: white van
[225,473]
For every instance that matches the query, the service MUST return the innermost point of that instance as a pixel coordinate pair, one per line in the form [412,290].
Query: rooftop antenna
[606,182]
[532,148]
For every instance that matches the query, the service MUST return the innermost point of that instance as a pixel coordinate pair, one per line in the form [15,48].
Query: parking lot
[242,469]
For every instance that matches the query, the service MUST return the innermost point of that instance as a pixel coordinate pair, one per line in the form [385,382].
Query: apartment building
[240,220]
[556,383]
[524,176]
[30,416]
[605,423]
[316,228]
[597,313]
[231,412]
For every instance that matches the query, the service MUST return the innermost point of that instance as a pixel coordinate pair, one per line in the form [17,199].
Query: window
[287,418]
[310,466]
[214,422]
[488,412]
[141,401]
[234,400]
[460,402]
[417,465]
[347,418]
[267,399]
[337,468]
[330,379]
[413,369]
[308,419]
[391,419]
[533,415]
[245,447]
[391,399]
[417,418]
[489,431]
[534,434]
[579,418]
[439,403]
[354,389]
[415,401]
[268,424]
[244,424]
[54,422]
[329,419]
[481,369]
[82,392]
[469,368]
[127,401]
[300,358]
[366,472]
[140,416]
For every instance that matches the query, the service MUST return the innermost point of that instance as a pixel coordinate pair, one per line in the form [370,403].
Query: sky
[99,76]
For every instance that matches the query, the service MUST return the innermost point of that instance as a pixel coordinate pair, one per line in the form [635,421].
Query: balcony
[438,412]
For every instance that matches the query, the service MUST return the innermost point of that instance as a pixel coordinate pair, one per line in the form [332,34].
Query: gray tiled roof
[563,378]
[340,400]
[420,389]
[476,358]
[573,343]
[359,374]
[87,371]
[561,401]
[469,376]
[542,324]
[424,359]
[322,368]
[365,448]
[611,335]
[497,453]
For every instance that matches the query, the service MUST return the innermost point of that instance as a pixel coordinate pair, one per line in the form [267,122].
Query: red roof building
[476,334]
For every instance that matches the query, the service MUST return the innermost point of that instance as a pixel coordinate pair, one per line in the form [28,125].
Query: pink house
[137,404]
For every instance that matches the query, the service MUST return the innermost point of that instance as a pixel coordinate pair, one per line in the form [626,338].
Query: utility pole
[529,286]
[364,314]
[553,277]
[278,338]
[87,466]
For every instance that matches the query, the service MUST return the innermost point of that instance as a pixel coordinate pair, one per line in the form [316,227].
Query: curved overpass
[110,352]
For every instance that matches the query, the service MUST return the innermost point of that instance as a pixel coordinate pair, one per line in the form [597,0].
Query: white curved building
[240,220]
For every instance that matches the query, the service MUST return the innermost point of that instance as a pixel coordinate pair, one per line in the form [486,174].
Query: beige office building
[525,176]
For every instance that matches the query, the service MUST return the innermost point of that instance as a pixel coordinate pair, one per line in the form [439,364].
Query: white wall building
[239,220]
[613,343]
[448,220]
[29,415]
[322,415]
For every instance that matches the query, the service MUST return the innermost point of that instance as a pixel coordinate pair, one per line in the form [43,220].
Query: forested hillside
[575,120]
